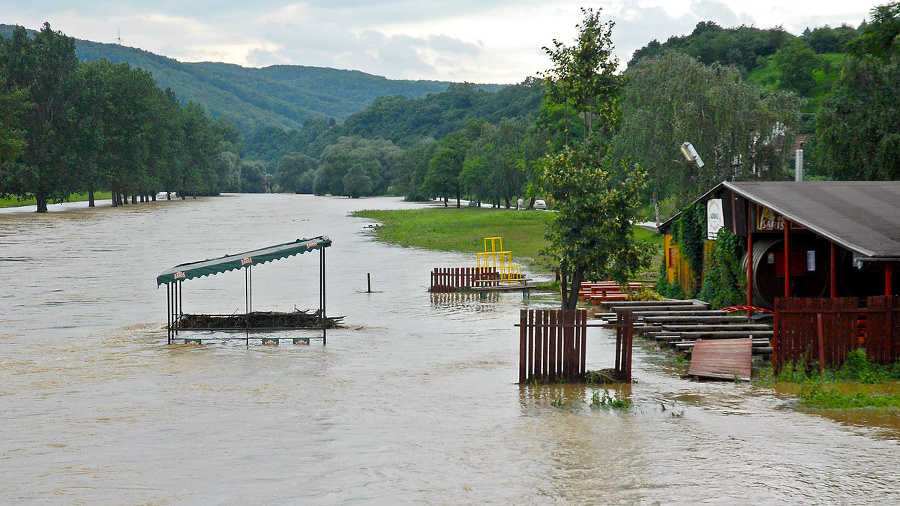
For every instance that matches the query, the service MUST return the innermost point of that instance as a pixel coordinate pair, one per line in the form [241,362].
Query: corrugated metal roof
[862,216]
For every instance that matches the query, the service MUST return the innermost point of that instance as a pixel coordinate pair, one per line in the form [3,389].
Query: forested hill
[281,95]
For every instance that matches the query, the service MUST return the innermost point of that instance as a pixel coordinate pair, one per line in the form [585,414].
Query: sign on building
[715,220]
[767,220]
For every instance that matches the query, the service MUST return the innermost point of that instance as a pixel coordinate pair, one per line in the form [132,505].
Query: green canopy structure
[175,276]
[184,272]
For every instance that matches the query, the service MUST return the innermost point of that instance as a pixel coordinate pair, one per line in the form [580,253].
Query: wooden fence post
[523,331]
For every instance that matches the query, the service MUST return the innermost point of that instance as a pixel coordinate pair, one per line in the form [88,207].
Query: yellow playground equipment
[495,258]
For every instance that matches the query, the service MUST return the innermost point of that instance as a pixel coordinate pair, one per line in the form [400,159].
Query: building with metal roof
[805,238]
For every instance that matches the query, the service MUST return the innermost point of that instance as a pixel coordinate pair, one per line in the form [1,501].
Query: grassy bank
[857,384]
[464,230]
[77,197]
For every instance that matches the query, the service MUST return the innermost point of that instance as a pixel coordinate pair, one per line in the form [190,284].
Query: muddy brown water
[415,401]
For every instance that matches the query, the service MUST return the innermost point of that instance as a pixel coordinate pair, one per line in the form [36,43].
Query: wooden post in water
[524,329]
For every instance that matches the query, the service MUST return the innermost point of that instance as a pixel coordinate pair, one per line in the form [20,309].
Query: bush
[722,273]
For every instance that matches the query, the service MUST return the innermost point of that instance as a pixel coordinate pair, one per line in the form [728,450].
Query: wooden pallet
[722,359]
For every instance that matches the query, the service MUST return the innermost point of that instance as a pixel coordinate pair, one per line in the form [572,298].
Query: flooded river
[415,401]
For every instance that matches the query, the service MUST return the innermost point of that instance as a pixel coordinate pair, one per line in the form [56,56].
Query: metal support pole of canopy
[179,290]
[322,293]
[247,304]
[169,313]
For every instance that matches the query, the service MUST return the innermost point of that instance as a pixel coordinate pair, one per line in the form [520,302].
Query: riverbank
[77,197]
[463,230]
[857,384]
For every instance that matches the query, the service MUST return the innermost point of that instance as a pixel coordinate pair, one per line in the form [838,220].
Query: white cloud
[465,40]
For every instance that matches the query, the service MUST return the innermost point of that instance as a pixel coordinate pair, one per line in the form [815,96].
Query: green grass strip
[75,197]
[818,397]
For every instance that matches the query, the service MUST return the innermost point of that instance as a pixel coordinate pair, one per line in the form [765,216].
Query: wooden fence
[883,329]
[827,330]
[624,344]
[552,345]
[449,279]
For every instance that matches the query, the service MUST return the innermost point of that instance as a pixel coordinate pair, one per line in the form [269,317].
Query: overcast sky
[480,41]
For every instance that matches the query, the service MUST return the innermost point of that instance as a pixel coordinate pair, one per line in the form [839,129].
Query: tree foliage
[880,38]
[796,63]
[740,130]
[825,39]
[590,236]
[741,47]
[13,103]
[291,171]
[87,126]
[42,65]
[858,123]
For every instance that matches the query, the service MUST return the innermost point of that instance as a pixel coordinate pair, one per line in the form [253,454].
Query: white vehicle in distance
[540,204]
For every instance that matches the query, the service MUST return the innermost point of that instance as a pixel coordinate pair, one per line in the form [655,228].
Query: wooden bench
[597,299]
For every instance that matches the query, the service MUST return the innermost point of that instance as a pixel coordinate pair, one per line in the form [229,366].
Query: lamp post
[690,154]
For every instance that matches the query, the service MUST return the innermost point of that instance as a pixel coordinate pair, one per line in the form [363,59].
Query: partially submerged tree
[41,65]
[591,234]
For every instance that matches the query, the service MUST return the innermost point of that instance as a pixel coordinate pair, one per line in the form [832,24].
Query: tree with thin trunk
[591,234]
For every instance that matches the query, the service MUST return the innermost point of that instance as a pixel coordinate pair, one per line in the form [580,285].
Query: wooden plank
[722,359]
[663,302]
[727,334]
[662,307]
[703,327]
[701,318]
[704,312]
[639,303]
[687,346]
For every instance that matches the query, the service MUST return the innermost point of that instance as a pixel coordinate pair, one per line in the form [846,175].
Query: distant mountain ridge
[280,95]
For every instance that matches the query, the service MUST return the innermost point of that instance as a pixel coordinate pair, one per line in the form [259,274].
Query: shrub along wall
[716,275]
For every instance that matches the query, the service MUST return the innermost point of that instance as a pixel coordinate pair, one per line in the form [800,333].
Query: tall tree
[291,169]
[740,130]
[591,234]
[13,103]
[442,179]
[253,176]
[796,63]
[87,128]
[859,120]
[42,66]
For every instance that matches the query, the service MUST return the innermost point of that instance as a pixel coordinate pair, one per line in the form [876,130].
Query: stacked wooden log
[679,323]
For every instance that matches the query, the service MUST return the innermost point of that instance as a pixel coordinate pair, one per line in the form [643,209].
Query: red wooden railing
[449,279]
[826,330]
[552,344]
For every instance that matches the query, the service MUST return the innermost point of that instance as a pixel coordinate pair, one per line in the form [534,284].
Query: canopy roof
[193,270]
